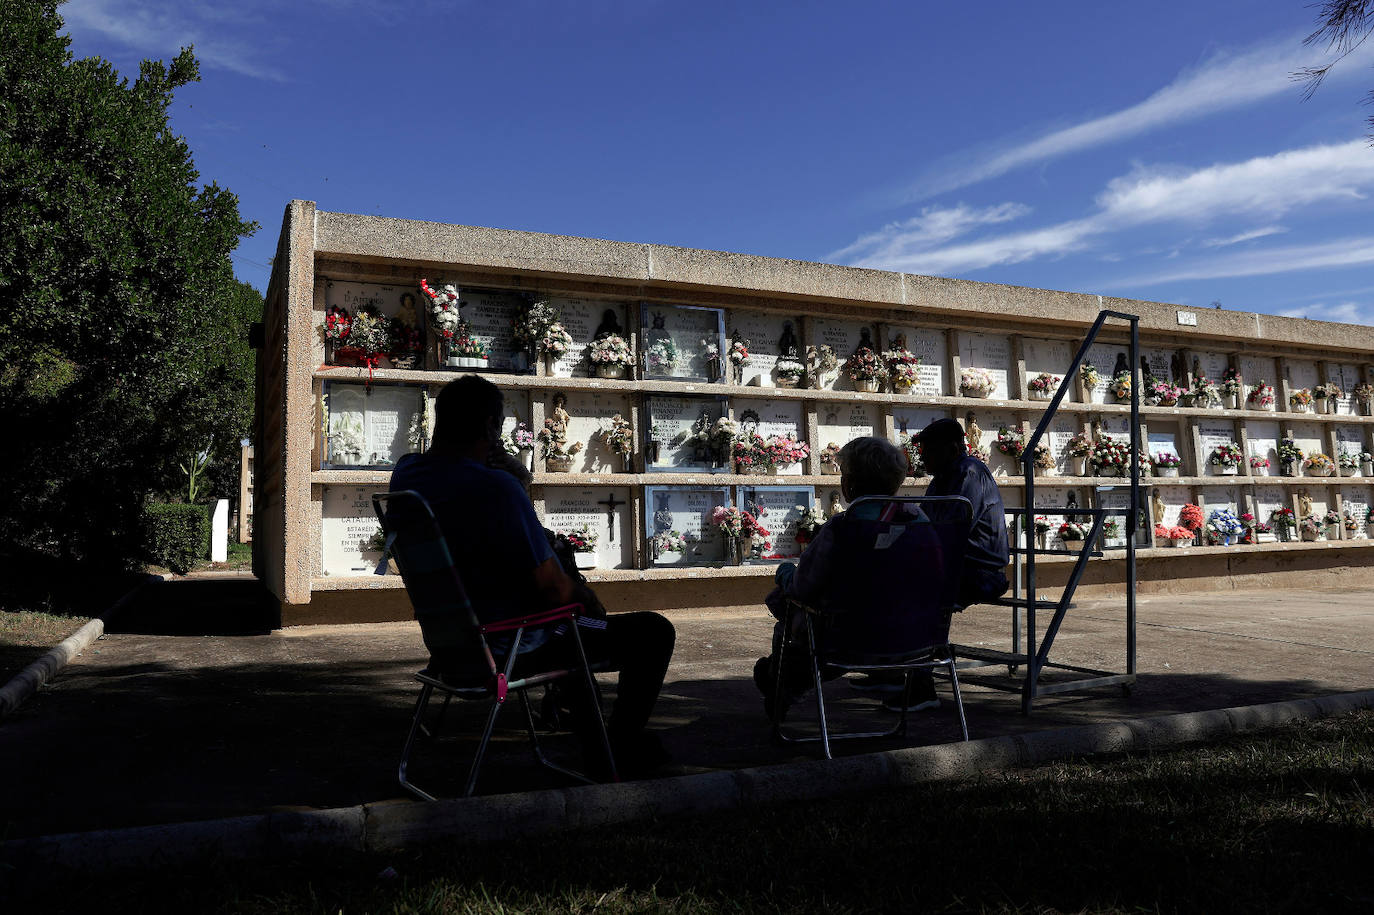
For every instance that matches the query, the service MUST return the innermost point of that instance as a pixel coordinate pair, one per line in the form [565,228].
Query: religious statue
[973,435]
[835,507]
[865,338]
[787,343]
[702,450]
[558,417]
[1197,369]
[1176,368]
[1121,365]
[663,517]
[660,353]
[1304,503]
[558,454]
[1156,506]
[610,324]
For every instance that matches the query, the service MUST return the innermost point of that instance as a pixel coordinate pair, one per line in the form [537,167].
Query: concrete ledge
[394,825]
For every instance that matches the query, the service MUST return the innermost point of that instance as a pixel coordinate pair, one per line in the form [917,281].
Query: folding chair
[914,550]
[452,632]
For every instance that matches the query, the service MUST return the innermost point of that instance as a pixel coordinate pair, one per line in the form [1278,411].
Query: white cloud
[1250,235]
[160,29]
[1344,252]
[1268,185]
[1345,312]
[935,225]
[1223,81]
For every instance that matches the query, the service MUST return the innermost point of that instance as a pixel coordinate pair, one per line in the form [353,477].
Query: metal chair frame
[928,657]
[496,683]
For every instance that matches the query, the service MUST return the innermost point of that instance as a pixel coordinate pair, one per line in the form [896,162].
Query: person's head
[942,445]
[871,466]
[467,415]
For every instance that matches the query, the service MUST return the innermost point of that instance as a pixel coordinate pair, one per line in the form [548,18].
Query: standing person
[954,472]
[508,568]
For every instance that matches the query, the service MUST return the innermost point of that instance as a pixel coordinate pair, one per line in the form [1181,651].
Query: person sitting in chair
[508,567]
[820,580]
[954,472]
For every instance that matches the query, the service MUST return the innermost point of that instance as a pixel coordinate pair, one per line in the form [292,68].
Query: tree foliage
[122,330]
[1342,25]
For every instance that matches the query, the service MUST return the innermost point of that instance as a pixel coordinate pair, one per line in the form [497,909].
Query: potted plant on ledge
[1261,397]
[1226,458]
[610,356]
[1042,386]
[1319,465]
[976,382]
[865,369]
[1290,458]
[1166,464]
[1259,465]
[1300,401]
[1364,397]
[583,540]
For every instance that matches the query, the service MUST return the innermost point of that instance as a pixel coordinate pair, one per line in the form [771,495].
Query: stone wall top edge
[389,238]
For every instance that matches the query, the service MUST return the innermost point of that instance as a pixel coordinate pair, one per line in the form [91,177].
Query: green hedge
[176,535]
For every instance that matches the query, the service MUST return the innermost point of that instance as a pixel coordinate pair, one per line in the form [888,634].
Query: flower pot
[526,458]
[1040,539]
[1041,395]
[830,470]
[1168,401]
[1078,465]
[1259,471]
[1367,468]
[1318,471]
[549,360]
[787,381]
[753,470]
[610,370]
[1096,396]
[466,362]
[1366,407]
[1230,401]
[975,392]
[901,386]
[1310,536]
[1180,543]
[1166,471]
[669,558]
[558,463]
[1226,470]
[651,452]
[1333,532]
[584,560]
[866,385]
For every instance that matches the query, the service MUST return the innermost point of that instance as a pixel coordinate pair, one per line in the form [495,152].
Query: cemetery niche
[779,510]
[679,525]
[682,342]
[372,425]
[688,434]
[349,531]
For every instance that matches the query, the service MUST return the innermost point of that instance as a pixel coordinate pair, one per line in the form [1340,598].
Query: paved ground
[189,710]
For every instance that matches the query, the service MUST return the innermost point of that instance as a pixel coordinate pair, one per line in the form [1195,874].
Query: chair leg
[415,726]
[958,696]
[820,692]
[432,731]
[594,694]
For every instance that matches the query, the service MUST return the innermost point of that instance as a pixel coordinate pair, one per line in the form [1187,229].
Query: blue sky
[1155,151]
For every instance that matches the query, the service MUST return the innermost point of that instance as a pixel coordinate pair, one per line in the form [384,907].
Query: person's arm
[812,580]
[553,583]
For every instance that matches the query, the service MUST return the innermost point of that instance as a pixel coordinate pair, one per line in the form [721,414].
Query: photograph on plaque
[582,319]
[596,520]
[763,349]
[682,342]
[372,426]
[778,509]
[687,434]
[928,344]
[677,525]
[349,544]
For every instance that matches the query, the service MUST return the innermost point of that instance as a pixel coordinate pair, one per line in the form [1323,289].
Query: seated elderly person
[823,577]
[955,472]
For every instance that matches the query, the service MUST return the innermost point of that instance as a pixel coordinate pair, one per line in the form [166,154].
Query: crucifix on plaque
[611,504]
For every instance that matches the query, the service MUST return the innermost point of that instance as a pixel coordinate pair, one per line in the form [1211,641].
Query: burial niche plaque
[678,527]
[348,526]
[598,514]
[580,318]
[681,435]
[778,509]
[371,427]
[682,342]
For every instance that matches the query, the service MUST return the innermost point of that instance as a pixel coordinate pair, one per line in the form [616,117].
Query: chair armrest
[533,619]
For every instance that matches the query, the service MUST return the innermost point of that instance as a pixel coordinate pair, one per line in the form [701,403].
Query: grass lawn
[1276,822]
[25,635]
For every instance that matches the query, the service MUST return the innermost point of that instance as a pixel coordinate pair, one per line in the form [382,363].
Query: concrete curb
[393,825]
[25,683]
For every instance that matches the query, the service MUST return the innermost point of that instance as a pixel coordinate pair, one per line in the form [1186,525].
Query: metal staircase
[1030,649]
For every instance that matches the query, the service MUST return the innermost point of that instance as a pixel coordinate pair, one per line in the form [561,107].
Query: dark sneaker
[915,704]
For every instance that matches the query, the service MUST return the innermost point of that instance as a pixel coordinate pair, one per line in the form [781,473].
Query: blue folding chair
[467,667]
[901,585]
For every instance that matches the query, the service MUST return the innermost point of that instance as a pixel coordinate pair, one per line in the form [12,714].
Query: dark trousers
[639,645]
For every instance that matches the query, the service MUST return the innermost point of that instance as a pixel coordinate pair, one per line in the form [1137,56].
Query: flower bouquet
[1332,519]
[1044,459]
[739,355]
[458,348]
[1111,530]
[1111,458]
[865,369]
[1290,457]
[1190,517]
[1259,465]
[1162,393]
[334,331]
[660,357]
[1283,521]
[710,354]
[1091,378]
[1010,443]
[976,382]
[821,363]
[1174,536]
[1300,401]
[1121,386]
[1247,521]
[789,372]
[1072,531]
[749,451]
[1166,464]
[1079,447]
[1327,396]
[830,459]
[670,547]
[519,443]
[1205,393]
[1230,388]
[785,451]
[901,366]
[742,530]
[915,465]
[583,540]
[1042,386]
[1364,396]
[538,330]
[1042,527]
[1226,458]
[619,438]
[810,521]
[1223,527]
[1261,397]
[1348,461]
[1353,525]
[1319,465]
[1311,528]
[610,356]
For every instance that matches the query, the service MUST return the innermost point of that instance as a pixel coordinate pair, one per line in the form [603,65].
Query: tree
[1343,25]
[123,331]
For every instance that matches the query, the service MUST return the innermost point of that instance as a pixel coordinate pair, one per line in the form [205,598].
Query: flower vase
[1226,470]
[526,458]
[1291,469]
[584,560]
[830,469]
[651,451]
[901,386]
[1078,464]
[866,385]
[1333,532]
[1367,468]
[668,558]
[627,463]
[1041,395]
[1366,407]
[787,381]
[1261,471]
[558,463]
[713,369]
[549,360]
[1040,539]
[610,370]
[1166,471]
[1230,401]
[1319,405]
[1094,394]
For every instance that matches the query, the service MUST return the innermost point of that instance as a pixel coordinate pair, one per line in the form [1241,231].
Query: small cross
[611,502]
